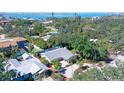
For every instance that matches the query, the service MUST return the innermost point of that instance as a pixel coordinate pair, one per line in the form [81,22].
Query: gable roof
[58,53]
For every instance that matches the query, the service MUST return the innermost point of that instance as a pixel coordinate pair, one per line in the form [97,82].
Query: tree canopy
[106,74]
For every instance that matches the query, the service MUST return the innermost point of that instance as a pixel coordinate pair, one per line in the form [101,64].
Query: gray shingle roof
[58,53]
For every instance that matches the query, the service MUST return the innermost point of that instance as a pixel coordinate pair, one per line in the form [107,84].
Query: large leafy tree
[86,48]
[22,22]
[38,42]
[39,28]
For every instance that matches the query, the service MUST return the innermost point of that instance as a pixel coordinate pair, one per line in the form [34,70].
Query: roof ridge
[54,50]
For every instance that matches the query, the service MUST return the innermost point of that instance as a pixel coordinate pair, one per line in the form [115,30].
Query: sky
[61,5]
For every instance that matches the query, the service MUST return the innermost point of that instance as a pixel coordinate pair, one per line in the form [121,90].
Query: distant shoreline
[44,15]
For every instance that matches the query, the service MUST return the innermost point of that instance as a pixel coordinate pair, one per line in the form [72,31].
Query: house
[6,42]
[32,65]
[49,34]
[57,53]
[48,22]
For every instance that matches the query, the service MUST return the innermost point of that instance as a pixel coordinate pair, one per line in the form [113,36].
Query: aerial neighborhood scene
[63,46]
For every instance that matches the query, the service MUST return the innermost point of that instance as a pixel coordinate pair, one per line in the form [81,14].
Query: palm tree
[53,17]
[52,14]
[75,15]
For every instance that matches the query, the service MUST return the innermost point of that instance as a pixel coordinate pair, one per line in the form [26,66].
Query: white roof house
[57,53]
[32,65]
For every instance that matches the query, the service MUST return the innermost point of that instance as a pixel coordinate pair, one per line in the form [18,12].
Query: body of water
[41,15]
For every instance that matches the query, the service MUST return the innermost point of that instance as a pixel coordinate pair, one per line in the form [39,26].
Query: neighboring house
[6,42]
[32,65]
[48,22]
[59,53]
[49,34]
